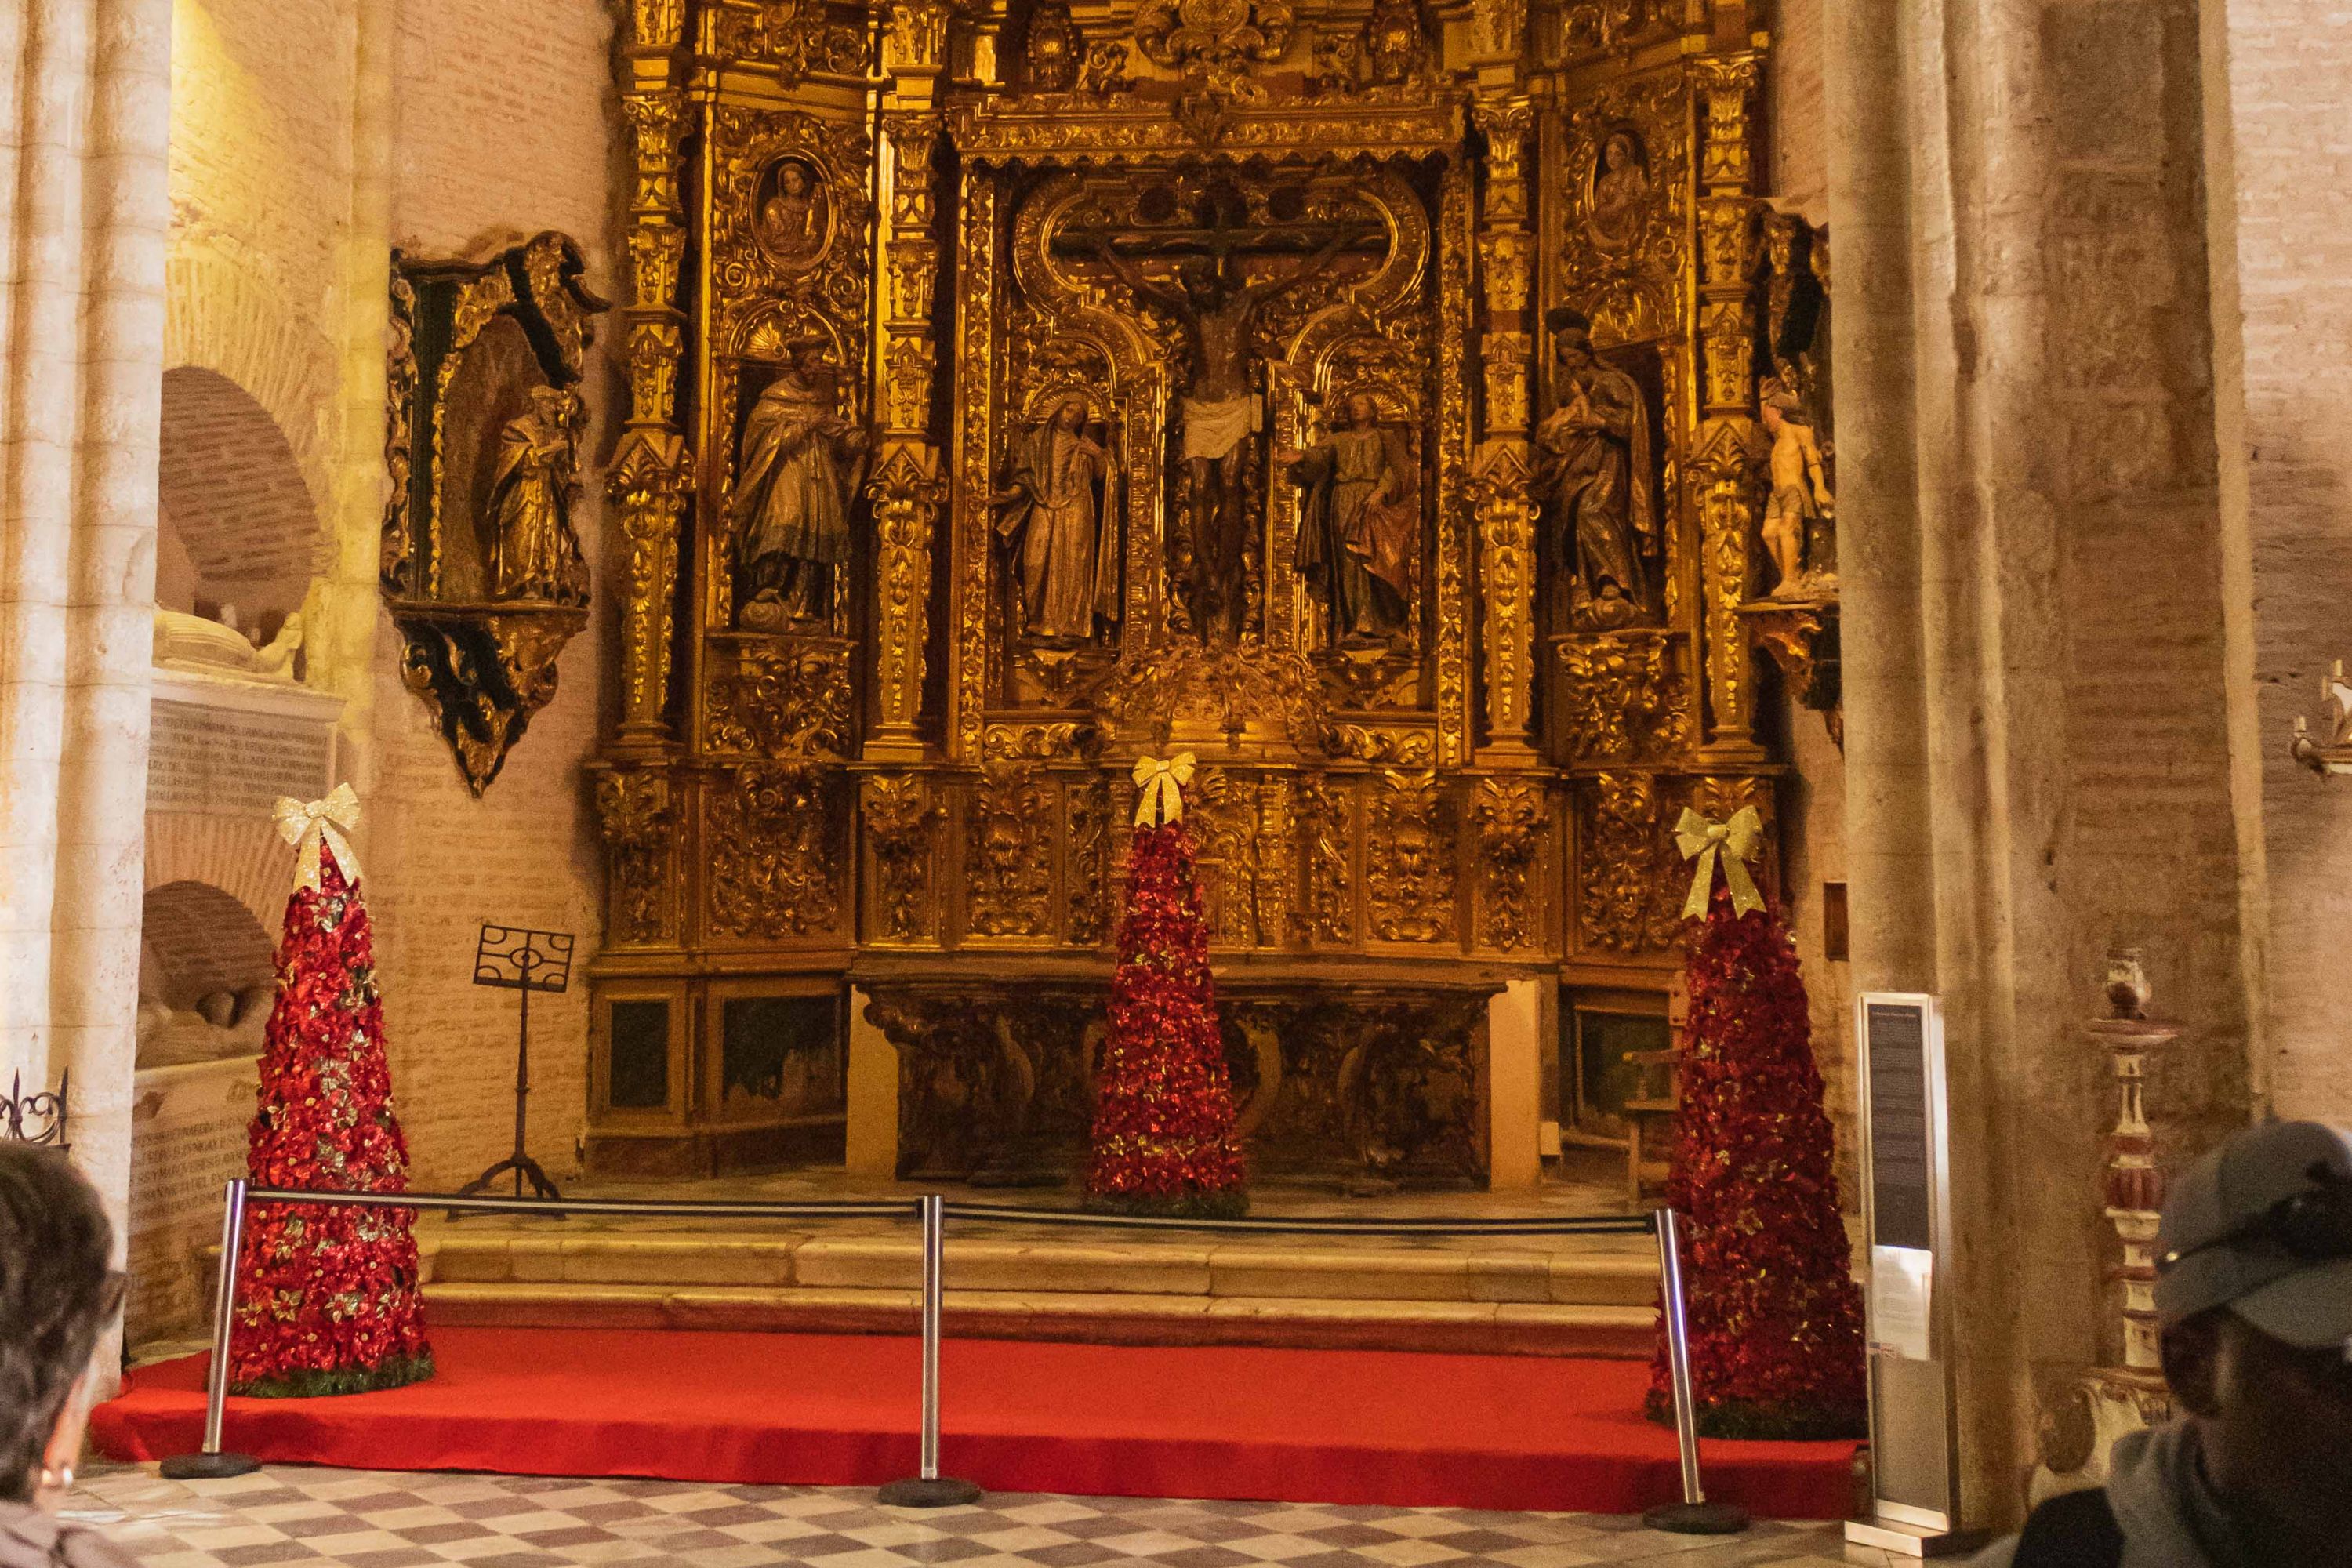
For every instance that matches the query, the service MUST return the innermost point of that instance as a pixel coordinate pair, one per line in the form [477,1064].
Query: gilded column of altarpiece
[1336,394]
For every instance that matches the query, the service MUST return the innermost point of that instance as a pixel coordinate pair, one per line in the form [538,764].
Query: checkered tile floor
[369,1520]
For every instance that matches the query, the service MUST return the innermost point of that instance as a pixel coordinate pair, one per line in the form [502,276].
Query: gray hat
[2263,1226]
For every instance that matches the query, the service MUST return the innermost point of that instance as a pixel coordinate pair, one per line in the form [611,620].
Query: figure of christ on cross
[1219,410]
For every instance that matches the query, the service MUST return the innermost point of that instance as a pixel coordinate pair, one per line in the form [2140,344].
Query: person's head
[59,1290]
[791,179]
[2254,1296]
[1070,414]
[1362,412]
[1617,152]
[1572,338]
[808,353]
[1782,409]
[1202,279]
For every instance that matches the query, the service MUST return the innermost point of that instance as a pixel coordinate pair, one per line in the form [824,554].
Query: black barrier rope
[1317,1224]
[683,1208]
[1694,1515]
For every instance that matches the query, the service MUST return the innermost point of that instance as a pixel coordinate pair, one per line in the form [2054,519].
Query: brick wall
[505,127]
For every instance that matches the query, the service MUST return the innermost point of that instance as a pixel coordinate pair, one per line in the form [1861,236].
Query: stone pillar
[84,118]
[340,627]
[2022,377]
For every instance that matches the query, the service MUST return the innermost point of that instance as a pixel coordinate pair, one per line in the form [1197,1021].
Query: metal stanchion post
[209,1463]
[1694,1515]
[928,1489]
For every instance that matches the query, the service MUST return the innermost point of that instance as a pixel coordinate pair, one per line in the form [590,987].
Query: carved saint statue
[534,552]
[792,223]
[1360,522]
[1595,474]
[1801,495]
[798,472]
[1620,180]
[1059,509]
[1219,411]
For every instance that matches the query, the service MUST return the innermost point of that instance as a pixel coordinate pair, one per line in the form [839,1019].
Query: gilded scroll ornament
[483,672]
[1327,816]
[901,814]
[647,483]
[1623,696]
[1726,473]
[1275,846]
[638,821]
[782,701]
[657,123]
[1008,855]
[1510,816]
[793,37]
[1218,40]
[1410,859]
[916,34]
[657,251]
[907,492]
[1091,873]
[1221,808]
[1500,489]
[773,870]
[398,554]
[656,24]
[1630,878]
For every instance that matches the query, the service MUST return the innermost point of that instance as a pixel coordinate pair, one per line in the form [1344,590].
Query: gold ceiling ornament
[1162,786]
[1732,845]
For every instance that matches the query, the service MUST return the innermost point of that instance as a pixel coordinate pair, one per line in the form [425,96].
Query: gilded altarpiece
[1343,395]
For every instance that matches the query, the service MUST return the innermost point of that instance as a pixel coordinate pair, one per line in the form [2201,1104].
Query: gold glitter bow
[1735,843]
[1162,786]
[327,821]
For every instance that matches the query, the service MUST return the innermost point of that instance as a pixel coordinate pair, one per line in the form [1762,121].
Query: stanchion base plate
[208,1467]
[939,1491]
[1697,1519]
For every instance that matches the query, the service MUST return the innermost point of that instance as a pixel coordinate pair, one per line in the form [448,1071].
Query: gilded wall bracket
[481,562]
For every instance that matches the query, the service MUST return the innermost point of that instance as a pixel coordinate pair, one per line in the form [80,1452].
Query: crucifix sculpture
[1220,411]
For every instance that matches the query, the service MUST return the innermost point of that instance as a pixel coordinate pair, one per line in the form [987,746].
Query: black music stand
[511,958]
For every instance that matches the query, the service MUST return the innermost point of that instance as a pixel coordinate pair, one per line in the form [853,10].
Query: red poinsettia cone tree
[1776,1340]
[1163,1131]
[327,1298]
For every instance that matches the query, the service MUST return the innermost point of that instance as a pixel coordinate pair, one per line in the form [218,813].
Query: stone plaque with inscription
[231,748]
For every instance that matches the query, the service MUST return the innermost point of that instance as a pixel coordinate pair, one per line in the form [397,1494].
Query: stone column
[2021,382]
[84,117]
[339,630]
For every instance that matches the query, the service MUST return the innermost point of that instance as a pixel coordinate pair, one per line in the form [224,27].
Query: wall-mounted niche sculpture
[482,566]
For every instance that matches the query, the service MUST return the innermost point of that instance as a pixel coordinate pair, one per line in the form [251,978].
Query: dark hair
[58,1291]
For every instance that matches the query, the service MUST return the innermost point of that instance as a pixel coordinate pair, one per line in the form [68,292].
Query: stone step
[1113,1316]
[1567,1296]
[1575,1273]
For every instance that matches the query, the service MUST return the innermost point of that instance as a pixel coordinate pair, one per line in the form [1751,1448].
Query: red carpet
[1368,1426]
